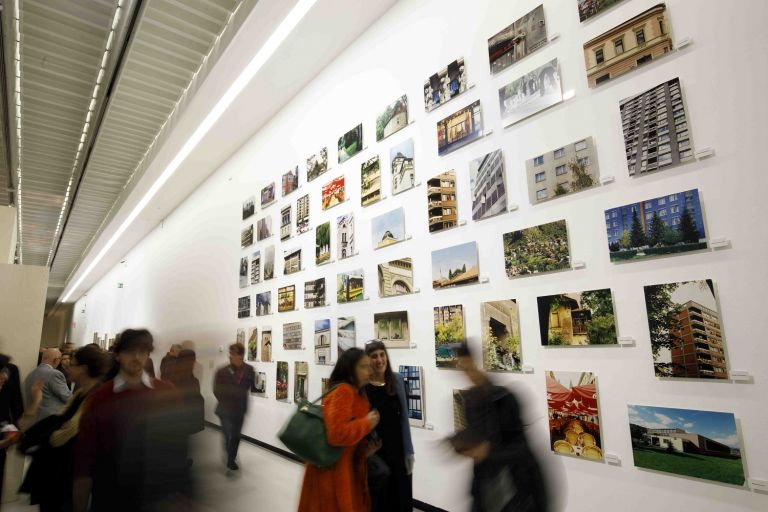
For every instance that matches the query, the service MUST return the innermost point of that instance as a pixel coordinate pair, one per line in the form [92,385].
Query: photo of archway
[396,277]
[323,341]
[500,323]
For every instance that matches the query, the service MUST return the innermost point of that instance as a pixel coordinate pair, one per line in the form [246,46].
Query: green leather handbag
[304,435]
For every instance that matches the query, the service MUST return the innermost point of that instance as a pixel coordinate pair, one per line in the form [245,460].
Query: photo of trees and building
[574,319]
[663,225]
[349,286]
[565,170]
[281,381]
[252,347]
[500,323]
[686,331]
[449,330]
[536,250]
[317,164]
[403,170]
[393,119]
[574,416]
[455,266]
[323,243]
[351,143]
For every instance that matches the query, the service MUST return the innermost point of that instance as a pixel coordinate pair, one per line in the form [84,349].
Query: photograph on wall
[523,37]
[345,236]
[317,164]
[370,181]
[500,324]
[333,193]
[388,228]
[442,206]
[567,169]
[255,267]
[323,341]
[290,181]
[455,266]
[323,243]
[244,307]
[300,381]
[268,195]
[240,337]
[670,224]
[574,418]
[396,277]
[252,347]
[346,335]
[246,237]
[392,329]
[628,46]
[260,387]
[302,214]
[413,376]
[459,410]
[449,330]
[292,336]
[657,136]
[537,250]
[687,442]
[249,207]
[350,286]
[403,170]
[266,344]
[487,183]
[531,93]
[314,293]
[460,128]
[351,143]
[291,262]
[286,298]
[589,8]
[445,85]
[285,222]
[577,319]
[686,330]
[281,381]
[393,119]
[243,281]
[264,228]
[269,262]
[263,303]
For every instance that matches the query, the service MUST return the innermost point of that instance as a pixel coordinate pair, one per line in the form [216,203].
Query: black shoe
[232,466]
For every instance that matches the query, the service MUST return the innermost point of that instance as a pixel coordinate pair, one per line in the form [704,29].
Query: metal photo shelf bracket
[527,368]
[720,242]
[758,484]
[612,459]
[578,264]
[705,152]
[605,180]
[513,207]
[741,376]
[626,341]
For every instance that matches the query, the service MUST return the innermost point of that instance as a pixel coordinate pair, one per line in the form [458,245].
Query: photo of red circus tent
[574,419]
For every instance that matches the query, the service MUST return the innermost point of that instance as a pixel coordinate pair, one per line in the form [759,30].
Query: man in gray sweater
[55,390]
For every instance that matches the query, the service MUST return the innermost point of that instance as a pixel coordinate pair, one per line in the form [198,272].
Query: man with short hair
[55,390]
[230,387]
[66,360]
[168,361]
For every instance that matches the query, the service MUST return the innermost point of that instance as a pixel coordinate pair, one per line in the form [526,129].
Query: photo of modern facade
[290,181]
[317,164]
[393,119]
[300,381]
[403,171]
[656,131]
[345,236]
[244,306]
[445,85]
[486,180]
[628,46]
[286,298]
[314,293]
[533,92]
[392,329]
[567,169]
[396,277]
[246,237]
[442,206]
[449,329]
[460,128]
[255,267]
[292,262]
[370,181]
[292,336]
[269,262]
[323,341]
[285,222]
[521,38]
[413,376]
[302,214]
[264,228]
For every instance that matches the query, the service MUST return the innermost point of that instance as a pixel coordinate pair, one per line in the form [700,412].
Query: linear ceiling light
[262,56]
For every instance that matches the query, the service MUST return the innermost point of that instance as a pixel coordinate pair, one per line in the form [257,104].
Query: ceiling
[108,92]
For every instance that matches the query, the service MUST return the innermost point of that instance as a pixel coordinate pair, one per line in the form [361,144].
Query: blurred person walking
[348,419]
[11,409]
[507,477]
[66,361]
[130,455]
[193,404]
[54,384]
[386,393]
[231,385]
[168,361]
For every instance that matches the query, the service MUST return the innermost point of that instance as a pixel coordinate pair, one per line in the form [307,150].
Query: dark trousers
[231,426]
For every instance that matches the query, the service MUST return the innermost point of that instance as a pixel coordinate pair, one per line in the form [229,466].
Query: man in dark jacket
[11,408]
[230,387]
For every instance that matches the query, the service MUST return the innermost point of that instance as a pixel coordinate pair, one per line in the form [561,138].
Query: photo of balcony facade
[699,350]
[441,202]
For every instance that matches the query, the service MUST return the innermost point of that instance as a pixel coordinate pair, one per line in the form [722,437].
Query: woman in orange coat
[343,487]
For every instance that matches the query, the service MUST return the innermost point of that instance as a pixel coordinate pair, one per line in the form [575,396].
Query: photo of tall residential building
[628,46]
[396,277]
[345,236]
[243,273]
[244,306]
[413,376]
[531,93]
[442,206]
[290,181]
[252,346]
[269,262]
[314,293]
[291,262]
[455,266]
[285,222]
[300,381]
[292,336]
[264,228]
[302,214]
[403,171]
[255,267]
[656,132]
[393,119]
[445,85]
[392,329]
[668,224]
[486,180]
[317,164]
[567,169]
[460,128]
[246,237]
[686,332]
[370,181]
[523,37]
[323,341]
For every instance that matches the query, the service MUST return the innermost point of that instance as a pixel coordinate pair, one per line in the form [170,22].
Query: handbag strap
[324,394]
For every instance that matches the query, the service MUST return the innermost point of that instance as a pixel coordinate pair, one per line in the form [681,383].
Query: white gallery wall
[181,281]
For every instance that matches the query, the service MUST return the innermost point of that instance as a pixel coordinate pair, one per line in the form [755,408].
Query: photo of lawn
[537,250]
[351,143]
[688,442]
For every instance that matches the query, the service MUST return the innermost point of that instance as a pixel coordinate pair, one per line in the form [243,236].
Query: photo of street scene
[523,37]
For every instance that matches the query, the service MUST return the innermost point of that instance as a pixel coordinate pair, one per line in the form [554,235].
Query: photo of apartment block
[441,201]
[567,169]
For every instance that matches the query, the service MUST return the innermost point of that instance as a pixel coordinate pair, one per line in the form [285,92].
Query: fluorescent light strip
[262,56]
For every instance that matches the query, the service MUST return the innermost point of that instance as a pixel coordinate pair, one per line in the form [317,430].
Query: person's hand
[373,447]
[373,418]
[479,452]
[410,460]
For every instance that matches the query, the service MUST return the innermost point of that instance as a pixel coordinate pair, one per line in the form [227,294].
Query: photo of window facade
[486,180]
[302,214]
[442,206]
[370,181]
[392,329]
[460,128]
[570,168]
[300,381]
[396,277]
[255,267]
[292,262]
[246,237]
[345,236]
[292,336]
[266,344]
[286,298]
[656,131]
[628,46]
[244,306]
[285,222]
[290,181]
[521,38]
[314,293]
[323,243]
[413,376]
[393,119]
[445,85]
[403,171]
[268,195]
[323,341]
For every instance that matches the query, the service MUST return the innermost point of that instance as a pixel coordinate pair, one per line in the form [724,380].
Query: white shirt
[120,383]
